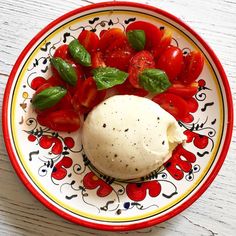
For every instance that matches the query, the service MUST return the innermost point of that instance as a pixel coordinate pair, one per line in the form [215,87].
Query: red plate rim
[139,225]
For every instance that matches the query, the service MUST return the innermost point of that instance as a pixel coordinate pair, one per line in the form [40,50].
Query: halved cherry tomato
[153,34]
[55,80]
[102,33]
[182,90]
[173,104]
[192,68]
[171,61]
[192,104]
[164,43]
[127,89]
[63,52]
[112,39]
[37,82]
[43,87]
[89,40]
[61,120]
[119,58]
[140,61]
[97,60]
[88,95]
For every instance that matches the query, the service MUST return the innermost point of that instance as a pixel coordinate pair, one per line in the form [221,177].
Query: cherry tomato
[140,61]
[173,104]
[153,34]
[43,87]
[97,60]
[119,59]
[171,61]
[37,82]
[89,40]
[63,52]
[102,33]
[88,95]
[61,120]
[127,89]
[192,68]
[112,39]
[192,104]
[55,80]
[164,43]
[185,91]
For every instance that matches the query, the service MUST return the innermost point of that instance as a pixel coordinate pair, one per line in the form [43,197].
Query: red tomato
[37,82]
[88,95]
[192,104]
[102,33]
[55,80]
[97,60]
[63,52]
[182,90]
[89,40]
[127,89]
[43,87]
[140,61]
[112,39]
[164,43]
[61,120]
[153,34]
[173,104]
[193,65]
[171,61]
[119,59]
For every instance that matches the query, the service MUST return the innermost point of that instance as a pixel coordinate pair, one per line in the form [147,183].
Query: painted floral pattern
[69,168]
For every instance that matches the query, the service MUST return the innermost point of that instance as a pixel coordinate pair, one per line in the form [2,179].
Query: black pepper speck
[136,169]
[126,130]
[104,125]
[115,155]
[158,118]
[163,142]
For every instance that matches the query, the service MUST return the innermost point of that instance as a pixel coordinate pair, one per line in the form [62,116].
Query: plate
[53,165]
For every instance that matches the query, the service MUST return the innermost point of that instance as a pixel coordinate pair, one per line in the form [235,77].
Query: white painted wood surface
[213,214]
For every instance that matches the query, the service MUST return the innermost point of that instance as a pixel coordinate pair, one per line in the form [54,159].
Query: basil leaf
[48,97]
[154,80]
[137,39]
[65,70]
[107,77]
[79,53]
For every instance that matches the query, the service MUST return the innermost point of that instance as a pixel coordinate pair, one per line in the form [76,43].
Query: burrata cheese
[127,137]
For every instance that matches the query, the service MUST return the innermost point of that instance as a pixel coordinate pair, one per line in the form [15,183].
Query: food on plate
[128,137]
[104,78]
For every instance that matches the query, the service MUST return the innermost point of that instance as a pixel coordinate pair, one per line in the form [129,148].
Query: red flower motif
[200,141]
[91,181]
[138,191]
[59,171]
[47,141]
[177,161]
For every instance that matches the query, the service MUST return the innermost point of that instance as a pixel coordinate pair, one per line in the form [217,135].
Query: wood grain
[213,214]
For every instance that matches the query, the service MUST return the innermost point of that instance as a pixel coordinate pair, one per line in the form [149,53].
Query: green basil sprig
[48,97]
[107,77]
[137,39]
[154,80]
[66,70]
[79,53]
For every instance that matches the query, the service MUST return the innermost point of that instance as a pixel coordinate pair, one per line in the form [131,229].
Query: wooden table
[213,214]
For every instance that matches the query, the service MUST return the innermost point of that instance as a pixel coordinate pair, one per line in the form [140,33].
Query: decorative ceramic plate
[53,165]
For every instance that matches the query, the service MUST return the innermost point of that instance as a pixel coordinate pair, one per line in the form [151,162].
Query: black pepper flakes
[104,125]
[136,169]
[126,130]
[115,155]
[158,118]
[163,142]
